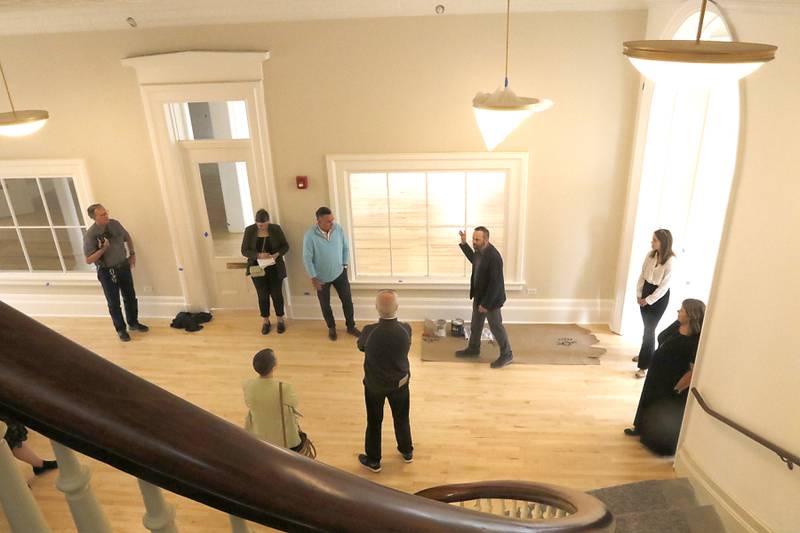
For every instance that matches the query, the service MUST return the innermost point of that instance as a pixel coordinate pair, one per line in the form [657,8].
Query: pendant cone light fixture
[499,113]
[697,63]
[20,123]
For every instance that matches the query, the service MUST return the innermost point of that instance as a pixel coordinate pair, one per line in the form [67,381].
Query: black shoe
[281,326]
[265,328]
[502,361]
[369,465]
[468,352]
[332,334]
[46,465]
[354,331]
[123,336]
[408,457]
[632,432]
[139,327]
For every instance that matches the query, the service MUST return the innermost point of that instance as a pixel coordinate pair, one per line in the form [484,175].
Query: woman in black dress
[265,242]
[652,293]
[15,436]
[671,370]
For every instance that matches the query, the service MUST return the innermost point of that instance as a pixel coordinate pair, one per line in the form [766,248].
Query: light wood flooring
[545,423]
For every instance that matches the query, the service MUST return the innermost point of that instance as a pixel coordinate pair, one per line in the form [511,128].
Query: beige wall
[749,365]
[365,86]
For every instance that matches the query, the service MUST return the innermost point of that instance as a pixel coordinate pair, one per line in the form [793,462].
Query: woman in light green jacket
[267,417]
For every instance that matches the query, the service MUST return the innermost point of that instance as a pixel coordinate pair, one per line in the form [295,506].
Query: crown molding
[68,16]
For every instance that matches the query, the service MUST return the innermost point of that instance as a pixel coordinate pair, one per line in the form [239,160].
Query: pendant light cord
[700,24]
[10,101]
[508,25]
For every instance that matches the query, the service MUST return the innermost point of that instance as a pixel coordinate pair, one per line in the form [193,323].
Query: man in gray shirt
[104,246]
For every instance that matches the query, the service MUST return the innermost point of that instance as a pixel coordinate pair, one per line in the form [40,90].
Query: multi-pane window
[406,224]
[41,225]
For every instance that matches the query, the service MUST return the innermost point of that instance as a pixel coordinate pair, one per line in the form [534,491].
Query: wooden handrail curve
[788,458]
[567,499]
[73,396]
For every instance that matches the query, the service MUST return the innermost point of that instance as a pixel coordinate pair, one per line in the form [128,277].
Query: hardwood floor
[545,423]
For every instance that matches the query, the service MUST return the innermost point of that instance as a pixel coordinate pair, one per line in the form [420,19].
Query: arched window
[684,165]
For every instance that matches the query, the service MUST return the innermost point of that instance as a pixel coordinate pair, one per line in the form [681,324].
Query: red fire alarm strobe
[302,182]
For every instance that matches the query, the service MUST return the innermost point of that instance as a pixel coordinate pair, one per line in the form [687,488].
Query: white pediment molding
[198,66]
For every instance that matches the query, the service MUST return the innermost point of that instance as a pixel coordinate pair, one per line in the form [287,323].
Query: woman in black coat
[671,370]
[264,243]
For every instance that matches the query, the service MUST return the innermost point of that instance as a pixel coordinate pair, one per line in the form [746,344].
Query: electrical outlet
[532,292]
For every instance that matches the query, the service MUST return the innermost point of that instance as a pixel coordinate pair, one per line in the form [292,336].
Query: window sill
[443,285]
[48,279]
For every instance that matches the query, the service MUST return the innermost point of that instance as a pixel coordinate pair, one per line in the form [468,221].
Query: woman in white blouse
[652,293]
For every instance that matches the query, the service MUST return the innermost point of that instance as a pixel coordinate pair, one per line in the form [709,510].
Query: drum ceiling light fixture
[697,62]
[500,112]
[20,123]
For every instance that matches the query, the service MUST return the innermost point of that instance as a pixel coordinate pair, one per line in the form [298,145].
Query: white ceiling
[52,16]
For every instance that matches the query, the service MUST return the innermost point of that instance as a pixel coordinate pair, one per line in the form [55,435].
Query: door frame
[201,77]
[196,153]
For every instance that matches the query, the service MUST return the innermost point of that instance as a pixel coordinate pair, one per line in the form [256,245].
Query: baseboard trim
[522,311]
[734,517]
[87,305]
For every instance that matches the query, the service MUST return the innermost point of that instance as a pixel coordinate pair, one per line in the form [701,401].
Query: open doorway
[687,161]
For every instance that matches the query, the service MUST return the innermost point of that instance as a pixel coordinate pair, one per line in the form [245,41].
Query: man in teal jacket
[326,253]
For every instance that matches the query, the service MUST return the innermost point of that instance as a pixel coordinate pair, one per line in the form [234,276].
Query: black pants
[342,286]
[266,287]
[118,280]
[399,403]
[651,315]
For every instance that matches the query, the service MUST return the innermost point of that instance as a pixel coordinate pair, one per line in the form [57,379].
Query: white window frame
[52,168]
[340,166]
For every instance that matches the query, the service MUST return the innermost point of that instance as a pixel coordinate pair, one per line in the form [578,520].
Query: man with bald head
[386,374]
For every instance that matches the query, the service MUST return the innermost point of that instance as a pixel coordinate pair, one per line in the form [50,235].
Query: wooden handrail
[562,498]
[789,458]
[83,401]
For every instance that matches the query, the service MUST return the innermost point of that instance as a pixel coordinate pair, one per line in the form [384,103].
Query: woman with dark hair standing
[264,246]
[671,370]
[652,293]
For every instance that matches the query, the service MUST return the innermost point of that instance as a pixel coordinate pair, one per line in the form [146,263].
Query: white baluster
[504,509]
[73,481]
[529,511]
[238,525]
[21,510]
[159,516]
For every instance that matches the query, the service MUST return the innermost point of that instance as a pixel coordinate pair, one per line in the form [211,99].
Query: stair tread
[699,519]
[650,495]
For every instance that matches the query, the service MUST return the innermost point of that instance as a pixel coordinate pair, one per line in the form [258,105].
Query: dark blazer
[386,346]
[277,244]
[486,285]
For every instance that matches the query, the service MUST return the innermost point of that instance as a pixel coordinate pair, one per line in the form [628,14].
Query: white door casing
[201,77]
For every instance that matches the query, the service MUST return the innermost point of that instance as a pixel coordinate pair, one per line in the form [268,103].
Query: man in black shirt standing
[488,293]
[104,246]
[386,375]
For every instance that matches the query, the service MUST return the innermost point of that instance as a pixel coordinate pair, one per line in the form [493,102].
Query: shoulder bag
[306,447]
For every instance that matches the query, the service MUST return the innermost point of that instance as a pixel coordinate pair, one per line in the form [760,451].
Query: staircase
[658,506]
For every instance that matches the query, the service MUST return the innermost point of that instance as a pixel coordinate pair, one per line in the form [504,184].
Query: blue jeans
[118,280]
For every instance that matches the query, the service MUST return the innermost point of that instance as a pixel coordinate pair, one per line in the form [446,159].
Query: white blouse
[655,274]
